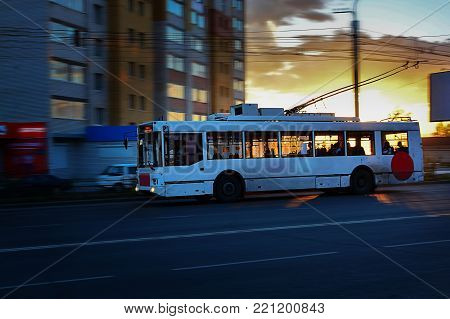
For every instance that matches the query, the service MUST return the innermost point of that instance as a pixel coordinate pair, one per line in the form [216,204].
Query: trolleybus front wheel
[228,188]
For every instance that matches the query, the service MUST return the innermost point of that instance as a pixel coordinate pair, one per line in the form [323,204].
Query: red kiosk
[23,149]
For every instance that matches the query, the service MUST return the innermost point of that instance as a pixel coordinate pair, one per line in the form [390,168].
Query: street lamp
[355,28]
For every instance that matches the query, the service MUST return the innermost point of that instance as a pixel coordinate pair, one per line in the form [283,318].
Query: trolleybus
[256,149]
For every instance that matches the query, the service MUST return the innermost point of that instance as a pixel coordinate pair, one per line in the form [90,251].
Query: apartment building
[67,65]
[227,53]
[195,72]
[54,75]
[130,45]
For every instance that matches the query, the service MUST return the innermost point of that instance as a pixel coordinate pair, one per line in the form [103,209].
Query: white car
[118,177]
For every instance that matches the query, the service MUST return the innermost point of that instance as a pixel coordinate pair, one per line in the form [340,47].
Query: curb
[143,198]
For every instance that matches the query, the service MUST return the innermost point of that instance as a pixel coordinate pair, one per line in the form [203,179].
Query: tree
[399,113]
[442,130]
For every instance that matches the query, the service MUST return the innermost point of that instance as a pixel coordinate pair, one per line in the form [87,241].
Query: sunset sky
[288,63]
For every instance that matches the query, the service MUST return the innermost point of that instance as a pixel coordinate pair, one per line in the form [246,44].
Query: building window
[394,142]
[68,72]
[238,85]
[142,101]
[141,40]
[261,144]
[98,14]
[175,63]
[296,144]
[68,109]
[198,70]
[131,35]
[176,116]
[175,8]
[237,4]
[183,149]
[77,74]
[238,45]
[197,5]
[199,117]
[221,5]
[131,68]
[198,19]
[197,44]
[77,5]
[98,81]
[238,65]
[98,50]
[198,95]
[174,35]
[142,71]
[175,91]
[131,101]
[59,71]
[329,143]
[65,34]
[130,5]
[360,143]
[237,24]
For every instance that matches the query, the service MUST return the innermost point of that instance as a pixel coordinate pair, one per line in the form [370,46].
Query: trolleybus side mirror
[125,142]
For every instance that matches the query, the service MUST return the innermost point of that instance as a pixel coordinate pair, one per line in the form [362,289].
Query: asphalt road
[392,244]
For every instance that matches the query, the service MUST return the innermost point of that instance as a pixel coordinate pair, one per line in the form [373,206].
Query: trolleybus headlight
[152,189]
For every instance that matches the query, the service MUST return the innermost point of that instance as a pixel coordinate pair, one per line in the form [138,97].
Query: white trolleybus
[262,150]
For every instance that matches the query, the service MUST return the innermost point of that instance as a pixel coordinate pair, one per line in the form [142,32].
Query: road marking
[58,282]
[254,261]
[38,226]
[419,243]
[294,208]
[217,233]
[179,216]
[23,208]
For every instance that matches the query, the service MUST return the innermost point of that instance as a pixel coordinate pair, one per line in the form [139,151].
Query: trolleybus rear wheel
[362,181]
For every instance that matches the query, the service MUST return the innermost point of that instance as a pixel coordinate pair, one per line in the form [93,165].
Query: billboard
[440,96]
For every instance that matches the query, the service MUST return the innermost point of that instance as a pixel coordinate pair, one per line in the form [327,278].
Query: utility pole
[355,30]
[355,36]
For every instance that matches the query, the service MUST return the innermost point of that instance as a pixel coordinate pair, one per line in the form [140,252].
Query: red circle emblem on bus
[402,166]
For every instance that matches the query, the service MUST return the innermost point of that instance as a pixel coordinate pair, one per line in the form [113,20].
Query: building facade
[130,45]
[53,72]
[67,65]
[227,63]
[199,57]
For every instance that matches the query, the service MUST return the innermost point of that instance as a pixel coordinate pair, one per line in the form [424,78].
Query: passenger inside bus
[387,148]
[401,148]
[358,150]
[337,149]
[216,154]
[321,151]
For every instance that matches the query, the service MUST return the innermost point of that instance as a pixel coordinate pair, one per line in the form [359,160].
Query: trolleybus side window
[182,149]
[360,143]
[394,142]
[296,144]
[329,143]
[224,145]
[261,144]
